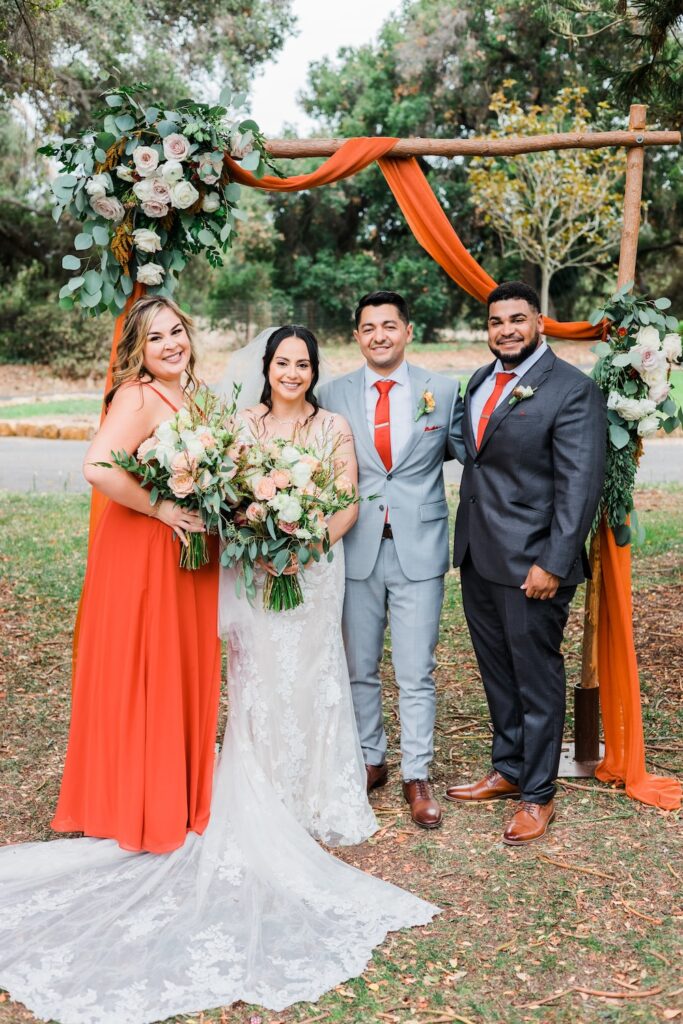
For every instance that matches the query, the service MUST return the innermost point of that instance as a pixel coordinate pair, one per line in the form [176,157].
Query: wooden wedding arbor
[609,667]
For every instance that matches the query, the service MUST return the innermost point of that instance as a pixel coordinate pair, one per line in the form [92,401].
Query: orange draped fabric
[624,759]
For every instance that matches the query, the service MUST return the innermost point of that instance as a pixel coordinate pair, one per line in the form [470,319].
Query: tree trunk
[545,289]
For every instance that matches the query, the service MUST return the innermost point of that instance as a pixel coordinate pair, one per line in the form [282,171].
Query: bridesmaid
[140,757]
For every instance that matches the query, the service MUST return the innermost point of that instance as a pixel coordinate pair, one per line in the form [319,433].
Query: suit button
[473,499]
[389,476]
[381,508]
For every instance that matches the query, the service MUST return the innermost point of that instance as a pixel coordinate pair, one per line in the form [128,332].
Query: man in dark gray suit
[535,435]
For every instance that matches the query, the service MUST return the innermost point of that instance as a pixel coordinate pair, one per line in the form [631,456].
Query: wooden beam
[292,149]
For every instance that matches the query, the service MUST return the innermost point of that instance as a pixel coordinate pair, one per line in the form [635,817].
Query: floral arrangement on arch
[150,188]
[635,359]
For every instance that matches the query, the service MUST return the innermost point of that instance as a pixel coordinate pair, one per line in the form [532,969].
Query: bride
[254,909]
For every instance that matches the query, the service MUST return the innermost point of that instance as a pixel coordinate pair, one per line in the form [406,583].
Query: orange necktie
[492,401]
[383,421]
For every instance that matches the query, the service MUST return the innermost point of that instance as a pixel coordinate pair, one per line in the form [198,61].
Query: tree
[556,209]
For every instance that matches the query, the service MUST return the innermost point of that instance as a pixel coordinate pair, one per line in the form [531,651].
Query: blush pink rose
[181,484]
[153,208]
[235,450]
[280,478]
[206,437]
[146,446]
[343,484]
[255,512]
[176,147]
[183,462]
[264,489]
[309,460]
[310,489]
[287,527]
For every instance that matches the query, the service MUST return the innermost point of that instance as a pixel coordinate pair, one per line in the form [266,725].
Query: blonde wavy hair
[129,364]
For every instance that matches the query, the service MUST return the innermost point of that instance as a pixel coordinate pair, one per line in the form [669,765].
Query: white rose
[154,208]
[124,173]
[289,508]
[163,453]
[303,534]
[290,455]
[211,202]
[659,392]
[167,433]
[630,408]
[176,147]
[171,171]
[108,207]
[648,425]
[144,189]
[150,273]
[98,185]
[648,336]
[183,194]
[671,347]
[192,443]
[146,160]
[301,474]
[146,240]
[656,370]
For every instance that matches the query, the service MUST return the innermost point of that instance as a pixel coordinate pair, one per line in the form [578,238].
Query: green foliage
[633,371]
[34,330]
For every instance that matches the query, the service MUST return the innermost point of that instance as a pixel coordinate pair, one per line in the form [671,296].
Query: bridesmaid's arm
[345,462]
[133,415]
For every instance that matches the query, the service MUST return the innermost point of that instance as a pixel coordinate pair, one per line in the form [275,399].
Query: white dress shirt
[485,389]
[401,413]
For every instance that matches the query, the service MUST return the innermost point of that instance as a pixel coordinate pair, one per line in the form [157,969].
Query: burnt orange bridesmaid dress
[140,759]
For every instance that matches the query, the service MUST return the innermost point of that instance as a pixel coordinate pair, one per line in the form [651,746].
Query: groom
[535,431]
[406,423]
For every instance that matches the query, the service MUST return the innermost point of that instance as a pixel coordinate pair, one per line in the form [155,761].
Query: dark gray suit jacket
[529,495]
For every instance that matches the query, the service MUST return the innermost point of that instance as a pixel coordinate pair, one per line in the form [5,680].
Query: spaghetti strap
[146,383]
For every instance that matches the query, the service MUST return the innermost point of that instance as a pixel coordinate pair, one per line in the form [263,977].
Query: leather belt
[387,533]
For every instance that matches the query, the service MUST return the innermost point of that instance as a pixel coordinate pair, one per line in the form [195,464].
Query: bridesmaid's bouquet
[190,460]
[287,491]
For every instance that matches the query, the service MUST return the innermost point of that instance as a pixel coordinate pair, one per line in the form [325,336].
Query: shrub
[33,329]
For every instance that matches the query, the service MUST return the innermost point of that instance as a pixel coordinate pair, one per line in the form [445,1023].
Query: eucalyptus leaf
[602,349]
[71,262]
[663,303]
[83,241]
[100,155]
[251,161]
[89,299]
[151,114]
[105,139]
[225,97]
[100,234]
[92,282]
[166,128]
[618,436]
[125,122]
[623,359]
[126,285]
[113,100]
[232,192]
[66,303]
[74,284]
[207,237]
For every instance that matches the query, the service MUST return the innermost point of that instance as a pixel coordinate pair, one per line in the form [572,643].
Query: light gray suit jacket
[413,488]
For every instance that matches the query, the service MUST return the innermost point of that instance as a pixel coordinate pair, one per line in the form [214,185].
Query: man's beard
[524,352]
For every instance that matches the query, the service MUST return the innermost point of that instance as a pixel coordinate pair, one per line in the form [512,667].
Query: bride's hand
[181,520]
[291,570]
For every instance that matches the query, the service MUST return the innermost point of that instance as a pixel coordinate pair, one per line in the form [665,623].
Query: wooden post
[586,708]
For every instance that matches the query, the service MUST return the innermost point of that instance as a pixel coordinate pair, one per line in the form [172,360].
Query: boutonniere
[426,405]
[520,393]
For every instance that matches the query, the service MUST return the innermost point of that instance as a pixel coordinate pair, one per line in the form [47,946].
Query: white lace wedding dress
[254,909]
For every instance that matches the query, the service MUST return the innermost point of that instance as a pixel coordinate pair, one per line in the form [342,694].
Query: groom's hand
[540,584]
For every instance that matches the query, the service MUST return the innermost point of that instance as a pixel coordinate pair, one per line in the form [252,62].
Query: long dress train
[254,909]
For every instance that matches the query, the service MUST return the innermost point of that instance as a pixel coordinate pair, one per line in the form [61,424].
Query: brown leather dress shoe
[529,822]
[377,775]
[492,787]
[424,807]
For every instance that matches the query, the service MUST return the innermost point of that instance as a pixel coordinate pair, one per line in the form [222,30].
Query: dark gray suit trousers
[517,643]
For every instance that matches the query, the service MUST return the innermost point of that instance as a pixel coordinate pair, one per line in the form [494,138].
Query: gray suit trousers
[414,609]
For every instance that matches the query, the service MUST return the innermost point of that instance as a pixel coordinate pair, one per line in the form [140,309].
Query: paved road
[31,464]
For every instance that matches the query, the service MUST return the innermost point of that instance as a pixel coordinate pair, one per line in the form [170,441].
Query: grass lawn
[531,935]
[59,407]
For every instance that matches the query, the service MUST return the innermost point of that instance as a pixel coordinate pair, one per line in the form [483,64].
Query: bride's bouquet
[287,491]
[189,460]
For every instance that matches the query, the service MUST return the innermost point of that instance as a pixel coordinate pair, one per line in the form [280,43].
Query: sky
[323,26]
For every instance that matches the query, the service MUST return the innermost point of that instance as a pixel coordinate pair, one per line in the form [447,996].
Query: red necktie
[383,421]
[491,403]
